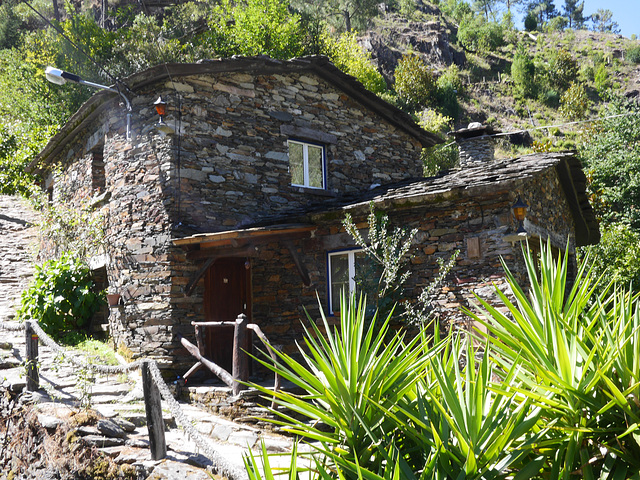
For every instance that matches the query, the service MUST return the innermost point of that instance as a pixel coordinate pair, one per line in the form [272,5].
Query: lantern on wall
[161,108]
[520,212]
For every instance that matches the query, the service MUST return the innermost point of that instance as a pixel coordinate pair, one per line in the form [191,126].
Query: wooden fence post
[240,359]
[33,378]
[153,410]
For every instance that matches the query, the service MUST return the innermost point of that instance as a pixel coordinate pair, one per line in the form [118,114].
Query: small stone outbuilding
[235,204]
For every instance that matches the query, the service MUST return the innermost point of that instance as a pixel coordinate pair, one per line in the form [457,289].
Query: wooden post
[153,409]
[33,379]
[240,359]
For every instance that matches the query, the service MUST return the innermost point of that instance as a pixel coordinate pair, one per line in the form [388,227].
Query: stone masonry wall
[475,150]
[279,298]
[234,166]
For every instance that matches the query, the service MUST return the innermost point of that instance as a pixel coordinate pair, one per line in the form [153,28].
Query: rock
[125,425]
[177,471]
[110,429]
[101,442]
[49,422]
[137,443]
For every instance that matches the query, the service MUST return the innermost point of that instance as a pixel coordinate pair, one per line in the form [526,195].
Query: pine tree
[574,13]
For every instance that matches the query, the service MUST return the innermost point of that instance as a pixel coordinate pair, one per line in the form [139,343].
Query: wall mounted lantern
[60,77]
[161,108]
[520,212]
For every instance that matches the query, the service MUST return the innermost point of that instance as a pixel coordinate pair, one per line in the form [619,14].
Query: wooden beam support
[302,270]
[199,274]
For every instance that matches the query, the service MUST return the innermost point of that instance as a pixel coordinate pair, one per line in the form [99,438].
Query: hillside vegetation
[447,62]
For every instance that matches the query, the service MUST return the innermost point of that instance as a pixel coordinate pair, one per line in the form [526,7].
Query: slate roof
[259,65]
[480,180]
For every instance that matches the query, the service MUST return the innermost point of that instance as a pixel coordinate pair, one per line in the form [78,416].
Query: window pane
[339,270]
[296,163]
[315,166]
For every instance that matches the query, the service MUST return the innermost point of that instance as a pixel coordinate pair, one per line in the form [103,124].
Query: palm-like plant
[575,354]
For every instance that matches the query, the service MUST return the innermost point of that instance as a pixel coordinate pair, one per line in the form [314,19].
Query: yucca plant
[352,375]
[574,353]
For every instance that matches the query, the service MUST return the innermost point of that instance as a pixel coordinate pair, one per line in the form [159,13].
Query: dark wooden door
[227,295]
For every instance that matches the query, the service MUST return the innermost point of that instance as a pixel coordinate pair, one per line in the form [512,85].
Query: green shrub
[523,72]
[633,54]
[434,121]
[617,255]
[61,297]
[475,34]
[439,158]
[415,81]
[574,103]
[563,69]
[601,79]
[557,24]
[550,98]
[351,58]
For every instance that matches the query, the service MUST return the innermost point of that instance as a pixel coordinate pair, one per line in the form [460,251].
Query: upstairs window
[306,164]
[343,267]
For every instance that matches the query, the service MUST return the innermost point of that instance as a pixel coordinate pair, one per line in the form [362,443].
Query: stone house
[234,204]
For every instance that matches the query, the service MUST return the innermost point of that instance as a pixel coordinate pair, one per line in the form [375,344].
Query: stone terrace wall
[234,153]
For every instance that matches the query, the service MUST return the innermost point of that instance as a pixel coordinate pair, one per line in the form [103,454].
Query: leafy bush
[523,72]
[415,81]
[611,154]
[434,122]
[557,24]
[351,58]
[633,54]
[617,255]
[60,297]
[574,103]
[563,69]
[439,158]
[476,34]
[601,79]
[257,27]
[448,87]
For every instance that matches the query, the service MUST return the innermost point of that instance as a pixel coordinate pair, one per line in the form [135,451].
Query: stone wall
[234,166]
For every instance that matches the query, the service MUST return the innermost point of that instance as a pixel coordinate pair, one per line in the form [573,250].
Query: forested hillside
[448,62]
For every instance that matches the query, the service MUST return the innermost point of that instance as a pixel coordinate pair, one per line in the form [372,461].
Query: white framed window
[342,267]
[306,164]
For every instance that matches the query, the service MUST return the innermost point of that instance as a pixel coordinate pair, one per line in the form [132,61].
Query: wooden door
[227,295]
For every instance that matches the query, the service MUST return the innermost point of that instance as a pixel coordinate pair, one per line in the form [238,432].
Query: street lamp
[60,77]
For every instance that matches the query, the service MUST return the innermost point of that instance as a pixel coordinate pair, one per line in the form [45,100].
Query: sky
[625,12]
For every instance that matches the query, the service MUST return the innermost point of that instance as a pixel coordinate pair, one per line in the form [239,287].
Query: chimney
[475,144]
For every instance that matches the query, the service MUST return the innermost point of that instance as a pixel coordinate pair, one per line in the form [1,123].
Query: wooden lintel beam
[246,251]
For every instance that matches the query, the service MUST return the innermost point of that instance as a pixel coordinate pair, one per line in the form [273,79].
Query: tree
[574,13]
[486,7]
[256,27]
[344,15]
[603,21]
[523,72]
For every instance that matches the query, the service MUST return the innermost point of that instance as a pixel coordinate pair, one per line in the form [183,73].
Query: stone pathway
[65,389]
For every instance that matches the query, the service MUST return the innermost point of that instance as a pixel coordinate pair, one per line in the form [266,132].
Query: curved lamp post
[60,77]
